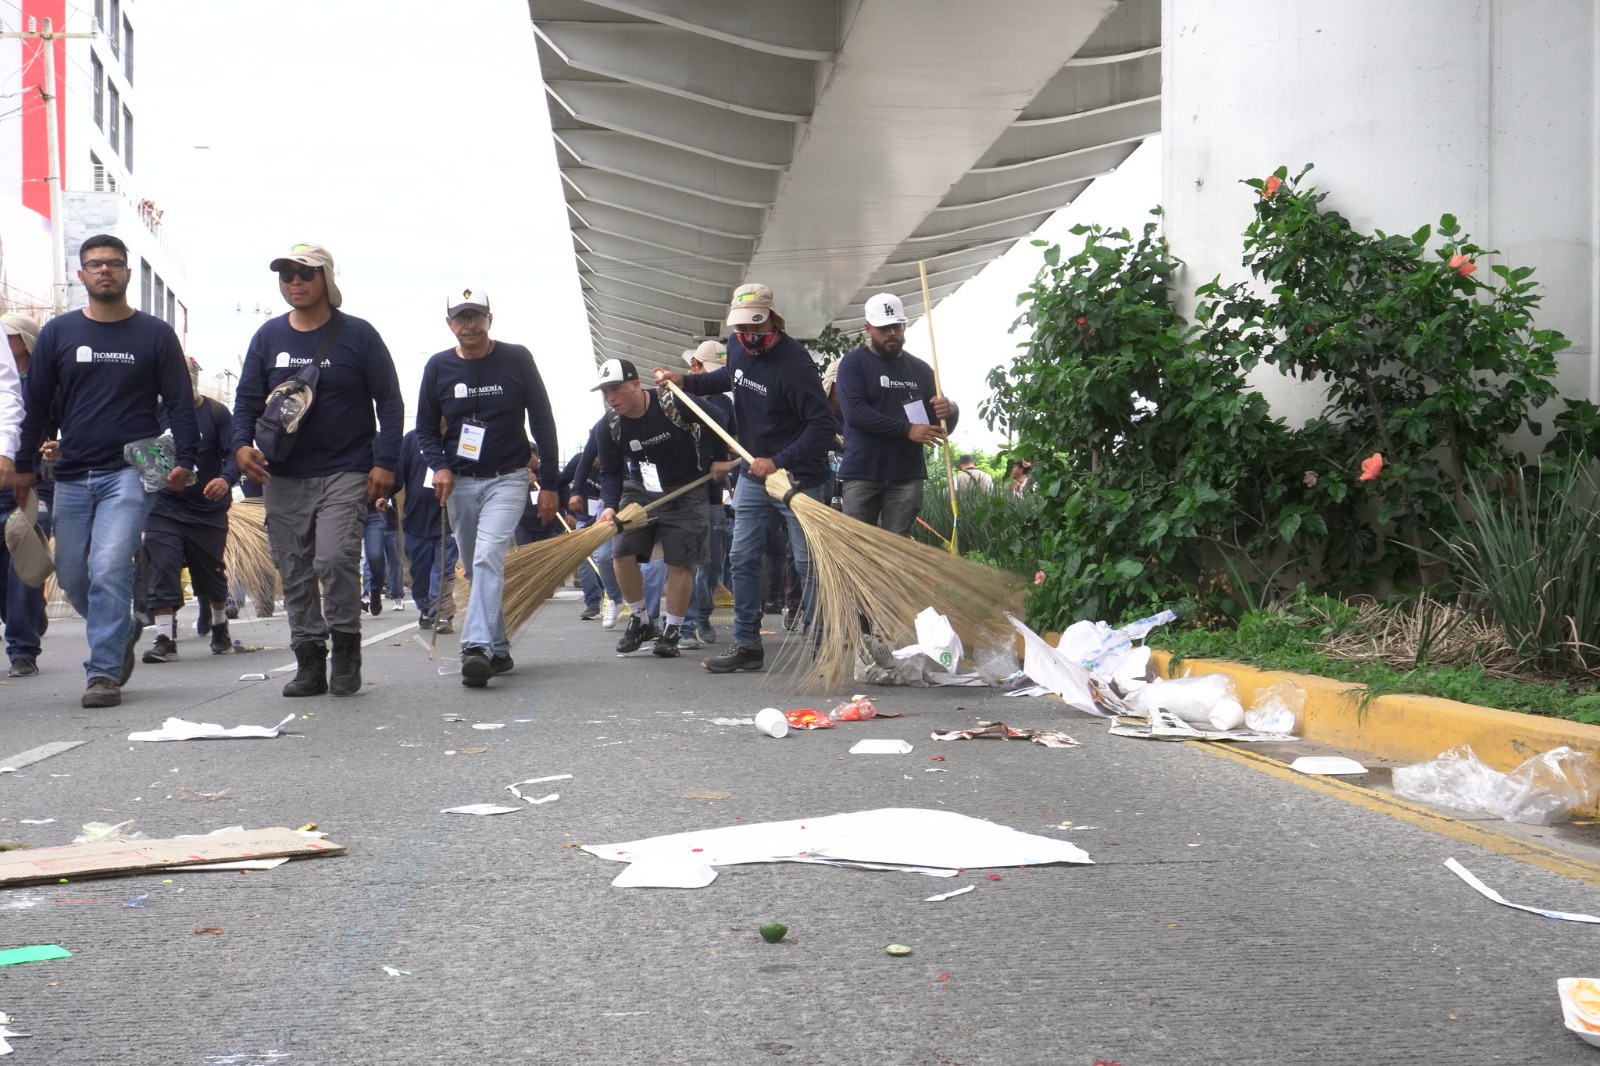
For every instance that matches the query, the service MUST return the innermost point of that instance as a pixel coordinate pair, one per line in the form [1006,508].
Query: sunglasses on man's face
[298,274]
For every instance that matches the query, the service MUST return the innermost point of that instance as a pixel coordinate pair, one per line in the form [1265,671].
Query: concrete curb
[1400,728]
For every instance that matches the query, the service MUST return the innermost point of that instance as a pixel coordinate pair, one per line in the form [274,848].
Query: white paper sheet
[1327,764]
[1055,671]
[517,792]
[1467,876]
[881,747]
[917,413]
[181,729]
[7,1031]
[901,838]
[665,873]
[237,864]
[941,897]
[480,808]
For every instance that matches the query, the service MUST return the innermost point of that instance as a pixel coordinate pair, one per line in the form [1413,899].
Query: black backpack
[288,403]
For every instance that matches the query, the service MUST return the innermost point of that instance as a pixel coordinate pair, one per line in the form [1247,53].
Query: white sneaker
[608,617]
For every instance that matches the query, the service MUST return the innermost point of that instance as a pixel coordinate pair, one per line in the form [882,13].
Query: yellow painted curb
[1403,728]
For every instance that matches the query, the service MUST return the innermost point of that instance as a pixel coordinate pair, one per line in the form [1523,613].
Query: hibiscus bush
[1163,478]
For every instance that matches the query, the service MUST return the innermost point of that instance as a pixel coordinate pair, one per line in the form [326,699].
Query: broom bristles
[534,571]
[247,554]
[865,575]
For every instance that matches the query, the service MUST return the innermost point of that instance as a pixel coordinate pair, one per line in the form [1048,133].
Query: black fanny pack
[287,404]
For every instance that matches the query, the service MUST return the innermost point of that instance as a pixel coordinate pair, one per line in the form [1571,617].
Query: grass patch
[1295,636]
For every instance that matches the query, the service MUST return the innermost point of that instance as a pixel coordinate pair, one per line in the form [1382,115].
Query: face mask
[757,343]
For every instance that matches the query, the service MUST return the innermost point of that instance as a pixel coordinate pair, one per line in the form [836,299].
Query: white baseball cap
[885,309]
[468,299]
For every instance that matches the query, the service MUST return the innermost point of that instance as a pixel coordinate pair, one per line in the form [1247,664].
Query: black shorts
[680,527]
[170,546]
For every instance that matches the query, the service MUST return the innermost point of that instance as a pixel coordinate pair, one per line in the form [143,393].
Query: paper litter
[1050,738]
[881,747]
[181,729]
[480,809]
[1466,875]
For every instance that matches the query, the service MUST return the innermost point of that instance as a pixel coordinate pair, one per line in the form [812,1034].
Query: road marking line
[41,753]
[289,667]
[1546,858]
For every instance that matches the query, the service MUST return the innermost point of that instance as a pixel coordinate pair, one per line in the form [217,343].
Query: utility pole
[47,93]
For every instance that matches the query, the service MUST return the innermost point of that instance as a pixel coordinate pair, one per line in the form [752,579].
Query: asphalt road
[1231,917]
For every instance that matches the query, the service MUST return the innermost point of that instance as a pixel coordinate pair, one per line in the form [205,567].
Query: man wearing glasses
[102,375]
[343,458]
[490,395]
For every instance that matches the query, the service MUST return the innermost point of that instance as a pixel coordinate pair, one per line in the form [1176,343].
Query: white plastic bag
[1542,791]
[1276,709]
[1194,699]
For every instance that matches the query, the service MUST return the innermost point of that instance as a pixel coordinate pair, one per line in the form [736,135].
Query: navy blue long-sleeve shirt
[778,406]
[505,392]
[421,517]
[103,384]
[214,459]
[873,392]
[339,433]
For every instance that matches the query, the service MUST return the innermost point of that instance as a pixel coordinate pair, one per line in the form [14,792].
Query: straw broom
[247,554]
[949,466]
[534,571]
[867,576]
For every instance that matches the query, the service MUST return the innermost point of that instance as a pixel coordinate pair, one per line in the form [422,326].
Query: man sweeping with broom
[668,448]
[784,421]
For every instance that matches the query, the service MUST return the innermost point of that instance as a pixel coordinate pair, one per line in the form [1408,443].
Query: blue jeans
[484,513]
[381,565]
[424,555]
[21,606]
[754,507]
[707,575]
[98,521]
[608,573]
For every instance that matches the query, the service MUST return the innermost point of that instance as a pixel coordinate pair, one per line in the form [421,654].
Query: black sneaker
[667,643]
[590,613]
[791,619]
[102,692]
[221,641]
[375,605]
[638,632]
[164,650]
[737,657]
[425,622]
[475,668]
[23,668]
[202,621]
[501,664]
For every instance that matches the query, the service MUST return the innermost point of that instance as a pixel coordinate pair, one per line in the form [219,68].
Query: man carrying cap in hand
[784,422]
[342,457]
[892,411]
[669,448]
[490,395]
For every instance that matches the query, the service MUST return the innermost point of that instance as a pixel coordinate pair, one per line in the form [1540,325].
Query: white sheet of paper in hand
[181,729]
[917,413]
[480,808]
[1467,876]
[1055,671]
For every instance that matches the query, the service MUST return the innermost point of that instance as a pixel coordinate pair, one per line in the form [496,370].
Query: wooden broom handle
[708,420]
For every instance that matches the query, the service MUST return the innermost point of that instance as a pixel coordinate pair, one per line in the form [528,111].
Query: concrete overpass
[824,147]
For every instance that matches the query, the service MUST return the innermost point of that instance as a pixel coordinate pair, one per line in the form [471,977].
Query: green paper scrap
[34,953]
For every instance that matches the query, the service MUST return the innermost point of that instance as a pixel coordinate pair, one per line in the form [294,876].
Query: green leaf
[1128,569]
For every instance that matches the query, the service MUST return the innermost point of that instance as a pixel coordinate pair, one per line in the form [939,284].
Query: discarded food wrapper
[1162,725]
[1050,738]
[1466,875]
[1580,1007]
[808,718]
[481,809]
[1541,791]
[881,747]
[855,709]
[180,729]
[1327,764]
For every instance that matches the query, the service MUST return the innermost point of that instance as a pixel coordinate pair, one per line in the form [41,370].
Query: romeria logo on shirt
[86,354]
[889,383]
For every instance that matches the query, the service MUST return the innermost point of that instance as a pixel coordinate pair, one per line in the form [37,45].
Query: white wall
[1409,108]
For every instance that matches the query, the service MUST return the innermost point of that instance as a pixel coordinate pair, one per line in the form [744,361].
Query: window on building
[159,302]
[97,71]
[127,139]
[113,26]
[114,114]
[127,50]
[172,308]
[104,180]
[147,278]
[100,11]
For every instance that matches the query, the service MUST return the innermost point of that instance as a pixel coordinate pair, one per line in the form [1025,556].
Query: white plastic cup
[771,721]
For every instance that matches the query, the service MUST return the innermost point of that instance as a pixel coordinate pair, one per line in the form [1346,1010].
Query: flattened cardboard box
[108,858]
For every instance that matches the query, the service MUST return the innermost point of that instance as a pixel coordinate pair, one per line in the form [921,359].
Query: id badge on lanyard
[470,447]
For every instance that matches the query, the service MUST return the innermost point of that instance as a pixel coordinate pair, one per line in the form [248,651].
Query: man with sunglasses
[784,421]
[102,376]
[491,396]
[345,451]
[892,412]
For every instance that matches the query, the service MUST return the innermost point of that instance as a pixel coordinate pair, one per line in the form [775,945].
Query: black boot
[344,675]
[312,678]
